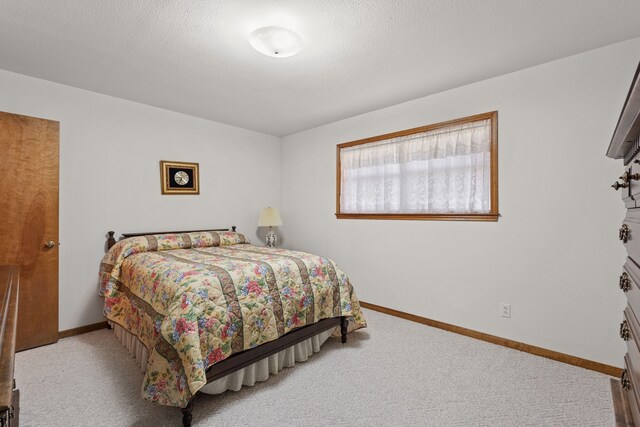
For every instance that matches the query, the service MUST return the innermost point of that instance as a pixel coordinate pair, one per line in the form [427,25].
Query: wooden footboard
[248,357]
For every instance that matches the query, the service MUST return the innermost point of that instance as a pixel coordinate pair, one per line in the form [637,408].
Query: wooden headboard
[112,241]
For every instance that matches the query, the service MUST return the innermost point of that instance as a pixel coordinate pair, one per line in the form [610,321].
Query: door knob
[49,244]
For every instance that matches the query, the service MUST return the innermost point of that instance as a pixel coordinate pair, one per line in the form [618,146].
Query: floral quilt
[194,299]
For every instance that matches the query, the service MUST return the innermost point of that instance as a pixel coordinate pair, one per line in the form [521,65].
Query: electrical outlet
[505,310]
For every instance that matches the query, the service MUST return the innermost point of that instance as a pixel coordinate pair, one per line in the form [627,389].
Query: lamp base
[271,239]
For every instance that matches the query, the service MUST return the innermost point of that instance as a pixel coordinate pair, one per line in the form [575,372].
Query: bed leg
[343,329]
[186,414]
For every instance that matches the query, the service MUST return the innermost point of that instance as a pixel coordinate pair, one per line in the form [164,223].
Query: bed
[206,304]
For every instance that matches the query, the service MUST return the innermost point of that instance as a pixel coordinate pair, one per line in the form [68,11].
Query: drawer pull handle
[625,282]
[618,185]
[623,233]
[624,330]
[625,380]
[628,176]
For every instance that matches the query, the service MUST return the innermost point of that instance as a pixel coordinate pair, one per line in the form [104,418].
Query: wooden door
[29,149]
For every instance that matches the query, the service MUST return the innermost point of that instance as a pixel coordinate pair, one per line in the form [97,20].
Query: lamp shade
[270,217]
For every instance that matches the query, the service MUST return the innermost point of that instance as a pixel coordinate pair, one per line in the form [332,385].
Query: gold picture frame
[179,177]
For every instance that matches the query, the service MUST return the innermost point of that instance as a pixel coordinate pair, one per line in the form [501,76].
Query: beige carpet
[394,373]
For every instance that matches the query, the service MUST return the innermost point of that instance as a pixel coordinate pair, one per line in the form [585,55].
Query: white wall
[110,176]
[554,254]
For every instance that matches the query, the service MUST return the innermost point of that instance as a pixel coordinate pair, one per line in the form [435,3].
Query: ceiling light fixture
[276,42]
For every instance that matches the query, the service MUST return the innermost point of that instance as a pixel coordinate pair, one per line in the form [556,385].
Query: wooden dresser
[9,395]
[625,145]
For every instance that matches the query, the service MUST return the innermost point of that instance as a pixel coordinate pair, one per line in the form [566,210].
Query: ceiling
[360,55]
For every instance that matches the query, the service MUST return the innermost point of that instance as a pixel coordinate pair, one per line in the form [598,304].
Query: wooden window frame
[492,215]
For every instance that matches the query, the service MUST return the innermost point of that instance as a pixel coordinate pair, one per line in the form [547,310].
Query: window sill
[422,217]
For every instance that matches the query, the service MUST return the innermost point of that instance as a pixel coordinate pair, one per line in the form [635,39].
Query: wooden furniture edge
[83,329]
[619,135]
[505,342]
[621,408]
[9,290]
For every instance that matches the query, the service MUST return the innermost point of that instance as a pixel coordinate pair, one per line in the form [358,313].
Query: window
[445,171]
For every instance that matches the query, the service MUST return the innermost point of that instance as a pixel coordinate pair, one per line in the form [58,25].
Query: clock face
[181,178]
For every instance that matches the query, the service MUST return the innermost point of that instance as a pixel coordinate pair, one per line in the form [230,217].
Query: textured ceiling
[360,55]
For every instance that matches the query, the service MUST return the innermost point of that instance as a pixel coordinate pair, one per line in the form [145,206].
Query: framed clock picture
[179,177]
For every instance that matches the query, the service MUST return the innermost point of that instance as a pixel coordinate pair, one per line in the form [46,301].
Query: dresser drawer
[629,233]
[633,168]
[630,193]
[630,280]
[630,327]
[633,355]
[634,184]
[630,332]
[632,391]
[629,201]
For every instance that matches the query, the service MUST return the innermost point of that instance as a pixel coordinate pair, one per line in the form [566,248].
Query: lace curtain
[446,170]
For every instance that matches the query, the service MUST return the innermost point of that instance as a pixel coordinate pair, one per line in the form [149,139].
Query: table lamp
[270,217]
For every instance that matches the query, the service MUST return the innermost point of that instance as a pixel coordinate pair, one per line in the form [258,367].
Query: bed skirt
[248,376]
